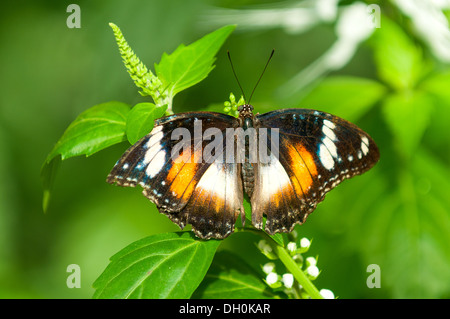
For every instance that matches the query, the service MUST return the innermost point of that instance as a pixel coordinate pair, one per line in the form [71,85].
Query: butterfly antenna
[270,57]
[234,72]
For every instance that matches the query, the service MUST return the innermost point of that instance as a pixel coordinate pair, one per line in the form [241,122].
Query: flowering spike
[143,78]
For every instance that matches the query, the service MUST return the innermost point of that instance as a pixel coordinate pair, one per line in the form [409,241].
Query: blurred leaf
[408,115]
[438,84]
[231,277]
[97,128]
[188,65]
[404,228]
[8,233]
[350,97]
[140,120]
[399,61]
[169,265]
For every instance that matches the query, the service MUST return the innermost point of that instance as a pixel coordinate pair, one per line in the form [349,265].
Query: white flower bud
[266,249]
[268,268]
[305,243]
[272,278]
[291,247]
[311,261]
[326,293]
[288,280]
[313,271]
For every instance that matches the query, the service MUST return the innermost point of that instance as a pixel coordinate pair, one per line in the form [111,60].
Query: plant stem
[292,266]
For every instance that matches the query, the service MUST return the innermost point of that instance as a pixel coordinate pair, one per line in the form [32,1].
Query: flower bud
[311,261]
[288,280]
[326,293]
[312,272]
[292,247]
[268,268]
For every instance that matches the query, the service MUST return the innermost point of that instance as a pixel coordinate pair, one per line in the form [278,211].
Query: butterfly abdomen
[248,177]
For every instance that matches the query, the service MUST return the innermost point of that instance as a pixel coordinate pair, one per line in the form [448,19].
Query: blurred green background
[393,81]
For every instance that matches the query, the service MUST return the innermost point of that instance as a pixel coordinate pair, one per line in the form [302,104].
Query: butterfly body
[247,120]
[285,161]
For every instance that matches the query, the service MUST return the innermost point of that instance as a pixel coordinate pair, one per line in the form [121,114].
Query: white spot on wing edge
[156,129]
[154,139]
[364,145]
[364,148]
[365,140]
[329,133]
[330,124]
[150,153]
[330,146]
[156,164]
[325,157]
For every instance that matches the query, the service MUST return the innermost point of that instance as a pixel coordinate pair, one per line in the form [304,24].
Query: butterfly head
[246,115]
[245,110]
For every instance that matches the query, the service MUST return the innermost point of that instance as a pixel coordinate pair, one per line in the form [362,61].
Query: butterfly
[196,166]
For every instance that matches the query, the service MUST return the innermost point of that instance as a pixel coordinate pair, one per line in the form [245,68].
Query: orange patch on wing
[205,199]
[285,195]
[302,163]
[219,204]
[276,198]
[181,174]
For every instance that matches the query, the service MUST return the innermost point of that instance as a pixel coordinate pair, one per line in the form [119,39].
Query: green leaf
[408,115]
[95,129]
[140,120]
[278,238]
[399,61]
[188,65]
[169,265]
[230,277]
[346,96]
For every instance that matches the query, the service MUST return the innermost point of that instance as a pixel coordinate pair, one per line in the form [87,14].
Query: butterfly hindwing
[215,203]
